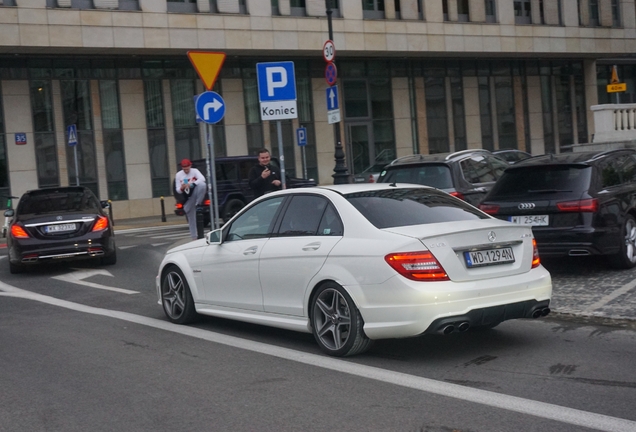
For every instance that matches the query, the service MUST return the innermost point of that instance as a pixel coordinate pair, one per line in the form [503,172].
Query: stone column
[316,7]
[605,13]
[402,117]
[477,9]
[350,10]
[535,115]
[452,10]
[31,4]
[450,118]
[228,6]
[408,9]
[575,129]
[422,121]
[493,113]
[570,13]
[471,110]
[551,13]
[627,14]
[389,10]
[555,116]
[234,120]
[158,6]
[60,134]
[584,11]
[98,136]
[591,93]
[535,11]
[433,11]
[517,88]
[505,12]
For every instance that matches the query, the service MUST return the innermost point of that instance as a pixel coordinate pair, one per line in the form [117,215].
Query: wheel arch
[181,263]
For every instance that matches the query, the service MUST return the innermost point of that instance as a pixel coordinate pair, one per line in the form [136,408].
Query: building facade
[414,76]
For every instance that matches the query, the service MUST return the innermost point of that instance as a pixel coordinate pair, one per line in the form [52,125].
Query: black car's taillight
[490,209]
[579,206]
[100,224]
[18,232]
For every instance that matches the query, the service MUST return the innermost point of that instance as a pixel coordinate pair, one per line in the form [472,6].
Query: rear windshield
[404,207]
[543,180]
[437,176]
[57,202]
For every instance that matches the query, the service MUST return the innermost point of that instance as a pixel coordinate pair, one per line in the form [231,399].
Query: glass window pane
[42,106]
[46,159]
[109,97]
[355,97]
[437,122]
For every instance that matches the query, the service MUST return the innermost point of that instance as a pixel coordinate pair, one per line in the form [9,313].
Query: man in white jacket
[190,183]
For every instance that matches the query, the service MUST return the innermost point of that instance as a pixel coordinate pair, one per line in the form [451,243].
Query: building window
[297,7]
[113,141]
[397,9]
[44,133]
[523,12]
[462,10]
[373,9]
[128,5]
[459,117]
[157,148]
[186,130]
[183,6]
[485,113]
[506,124]
[4,166]
[435,91]
[76,104]
[82,4]
[616,16]
[490,11]
[594,14]
[445,9]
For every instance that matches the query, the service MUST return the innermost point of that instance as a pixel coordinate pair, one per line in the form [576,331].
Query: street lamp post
[341,174]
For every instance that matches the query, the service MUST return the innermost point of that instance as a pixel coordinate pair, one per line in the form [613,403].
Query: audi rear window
[390,208]
[537,180]
[57,202]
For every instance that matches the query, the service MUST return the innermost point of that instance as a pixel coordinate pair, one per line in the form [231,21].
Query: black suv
[232,185]
[577,203]
[466,174]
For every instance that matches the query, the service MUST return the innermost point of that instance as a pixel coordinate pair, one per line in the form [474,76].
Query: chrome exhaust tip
[448,329]
[462,327]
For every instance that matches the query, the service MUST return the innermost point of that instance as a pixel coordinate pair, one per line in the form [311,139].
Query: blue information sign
[71,132]
[210,107]
[20,138]
[276,81]
[301,136]
[332,98]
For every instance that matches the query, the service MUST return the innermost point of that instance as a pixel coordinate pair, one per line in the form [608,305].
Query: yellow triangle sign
[208,65]
[614,76]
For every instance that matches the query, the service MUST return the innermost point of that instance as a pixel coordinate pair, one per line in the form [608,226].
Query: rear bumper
[33,251]
[580,241]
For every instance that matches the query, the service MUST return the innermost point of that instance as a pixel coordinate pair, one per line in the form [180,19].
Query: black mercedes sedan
[60,223]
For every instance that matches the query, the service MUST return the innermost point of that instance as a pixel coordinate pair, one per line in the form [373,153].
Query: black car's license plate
[489,257]
[59,228]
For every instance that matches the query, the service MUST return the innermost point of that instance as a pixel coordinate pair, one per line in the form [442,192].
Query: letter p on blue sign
[276,81]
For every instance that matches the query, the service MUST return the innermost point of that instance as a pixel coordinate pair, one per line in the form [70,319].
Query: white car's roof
[362,187]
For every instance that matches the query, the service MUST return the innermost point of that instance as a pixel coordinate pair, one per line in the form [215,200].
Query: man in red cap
[190,183]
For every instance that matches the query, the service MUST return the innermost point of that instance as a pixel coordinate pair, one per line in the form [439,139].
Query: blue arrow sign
[71,132]
[210,106]
[301,136]
[332,98]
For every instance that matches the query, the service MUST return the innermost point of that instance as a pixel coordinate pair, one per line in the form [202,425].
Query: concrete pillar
[535,115]
[471,110]
[31,4]
[257,8]
[627,13]
[234,120]
[575,129]
[584,11]
[477,9]
[98,136]
[325,146]
[60,134]
[433,11]
[570,13]
[591,93]
[351,10]
[284,7]
[555,116]
[389,10]
[535,11]
[551,13]
[422,121]
[517,88]
[505,12]
[408,9]
[158,6]
[402,117]
[228,6]
[203,6]
[493,112]
[452,10]
[167,112]
[605,13]
[314,7]
[450,119]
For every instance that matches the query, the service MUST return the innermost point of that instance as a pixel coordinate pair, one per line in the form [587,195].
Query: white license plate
[489,257]
[536,220]
[60,228]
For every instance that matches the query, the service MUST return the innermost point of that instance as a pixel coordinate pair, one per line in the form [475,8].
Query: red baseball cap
[186,163]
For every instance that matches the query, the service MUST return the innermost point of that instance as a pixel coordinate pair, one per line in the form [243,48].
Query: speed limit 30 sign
[329,51]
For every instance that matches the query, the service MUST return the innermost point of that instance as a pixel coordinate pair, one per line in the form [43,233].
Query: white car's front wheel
[336,322]
[176,297]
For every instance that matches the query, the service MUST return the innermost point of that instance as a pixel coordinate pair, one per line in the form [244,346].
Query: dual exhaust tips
[541,312]
[460,327]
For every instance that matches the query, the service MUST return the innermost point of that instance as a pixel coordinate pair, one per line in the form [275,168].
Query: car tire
[626,256]
[336,322]
[176,297]
[231,208]
[15,268]
[110,259]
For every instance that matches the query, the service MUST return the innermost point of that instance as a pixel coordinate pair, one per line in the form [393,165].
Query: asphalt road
[87,348]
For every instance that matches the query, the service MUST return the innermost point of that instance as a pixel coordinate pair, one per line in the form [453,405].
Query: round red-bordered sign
[331,73]
[329,51]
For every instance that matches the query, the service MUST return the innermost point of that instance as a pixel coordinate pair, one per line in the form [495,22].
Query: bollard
[163,211]
[110,212]
[199,222]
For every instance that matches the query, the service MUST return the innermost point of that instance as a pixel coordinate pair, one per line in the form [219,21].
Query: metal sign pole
[76,169]
[212,191]
[281,155]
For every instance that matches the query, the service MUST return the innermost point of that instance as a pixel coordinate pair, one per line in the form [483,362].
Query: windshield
[404,207]
[437,176]
[57,202]
[543,180]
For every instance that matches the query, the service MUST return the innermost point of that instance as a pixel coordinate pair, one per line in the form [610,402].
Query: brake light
[178,206]
[18,232]
[586,205]
[371,179]
[490,209]
[535,254]
[206,202]
[100,224]
[458,195]
[417,266]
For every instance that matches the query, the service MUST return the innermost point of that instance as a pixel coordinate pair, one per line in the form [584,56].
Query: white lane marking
[163,232]
[483,397]
[77,276]
[169,236]
[159,244]
[148,229]
[126,247]
[611,296]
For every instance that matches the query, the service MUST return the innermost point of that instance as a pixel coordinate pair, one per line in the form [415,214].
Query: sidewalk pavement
[150,221]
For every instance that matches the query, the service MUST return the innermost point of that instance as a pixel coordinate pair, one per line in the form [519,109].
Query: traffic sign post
[71,132]
[329,51]
[277,96]
[210,108]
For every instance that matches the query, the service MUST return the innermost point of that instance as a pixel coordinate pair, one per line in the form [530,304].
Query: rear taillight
[206,202]
[535,254]
[178,206]
[490,209]
[371,179]
[18,232]
[458,195]
[586,205]
[417,266]
[100,224]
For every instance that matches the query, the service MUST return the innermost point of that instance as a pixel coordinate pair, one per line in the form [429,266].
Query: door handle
[250,251]
[311,246]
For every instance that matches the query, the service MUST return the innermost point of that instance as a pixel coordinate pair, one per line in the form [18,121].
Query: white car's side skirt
[287,322]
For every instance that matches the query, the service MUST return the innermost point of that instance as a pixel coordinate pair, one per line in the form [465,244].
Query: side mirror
[9,213]
[215,237]
[105,204]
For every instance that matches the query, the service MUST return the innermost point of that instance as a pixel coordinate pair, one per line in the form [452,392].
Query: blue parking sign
[301,136]
[276,81]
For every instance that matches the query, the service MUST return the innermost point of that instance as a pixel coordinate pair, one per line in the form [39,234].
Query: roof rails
[461,152]
[409,158]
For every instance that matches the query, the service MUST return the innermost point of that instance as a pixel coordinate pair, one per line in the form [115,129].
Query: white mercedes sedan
[358,262]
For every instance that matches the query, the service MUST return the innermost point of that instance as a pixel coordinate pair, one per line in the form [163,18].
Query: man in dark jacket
[264,177]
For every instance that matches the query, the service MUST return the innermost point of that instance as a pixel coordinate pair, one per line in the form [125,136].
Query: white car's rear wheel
[176,298]
[336,322]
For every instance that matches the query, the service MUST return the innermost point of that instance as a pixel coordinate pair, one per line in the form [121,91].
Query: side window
[303,215]
[498,166]
[330,224]
[610,172]
[629,169]
[256,222]
[477,170]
